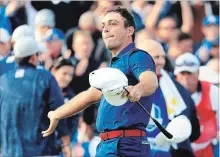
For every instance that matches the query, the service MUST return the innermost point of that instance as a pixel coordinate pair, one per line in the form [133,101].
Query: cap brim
[115,100]
[185,68]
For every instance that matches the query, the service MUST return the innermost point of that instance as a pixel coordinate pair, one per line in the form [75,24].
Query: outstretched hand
[53,123]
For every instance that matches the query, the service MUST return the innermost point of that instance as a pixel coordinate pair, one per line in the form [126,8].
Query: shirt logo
[19,73]
[155,113]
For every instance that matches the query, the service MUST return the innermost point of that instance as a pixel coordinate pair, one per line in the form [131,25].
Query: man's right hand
[53,123]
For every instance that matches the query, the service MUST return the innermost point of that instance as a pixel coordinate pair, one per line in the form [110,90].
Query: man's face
[211,32]
[159,59]
[64,75]
[186,45]
[187,79]
[83,46]
[113,30]
[167,28]
[54,47]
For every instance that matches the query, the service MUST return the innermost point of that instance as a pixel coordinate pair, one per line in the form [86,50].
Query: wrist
[140,88]
[56,116]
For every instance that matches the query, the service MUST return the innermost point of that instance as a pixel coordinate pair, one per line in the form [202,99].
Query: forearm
[77,104]
[187,17]
[148,83]
[153,16]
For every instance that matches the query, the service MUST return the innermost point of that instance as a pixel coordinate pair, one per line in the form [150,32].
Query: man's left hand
[134,94]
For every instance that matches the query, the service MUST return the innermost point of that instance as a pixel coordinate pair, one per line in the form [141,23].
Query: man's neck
[115,52]
[194,89]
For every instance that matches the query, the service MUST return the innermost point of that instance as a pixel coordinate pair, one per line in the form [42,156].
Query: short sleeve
[140,62]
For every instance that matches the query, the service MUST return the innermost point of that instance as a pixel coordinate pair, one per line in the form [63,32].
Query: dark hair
[129,19]
[60,62]
[23,61]
[169,16]
[183,36]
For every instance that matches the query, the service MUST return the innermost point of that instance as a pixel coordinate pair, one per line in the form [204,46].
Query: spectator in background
[8,63]
[205,96]
[100,8]
[20,13]
[44,21]
[67,12]
[87,23]
[163,109]
[210,45]
[165,25]
[181,44]
[83,46]
[54,42]
[140,10]
[5,44]
[63,71]
[85,142]
[23,30]
[24,113]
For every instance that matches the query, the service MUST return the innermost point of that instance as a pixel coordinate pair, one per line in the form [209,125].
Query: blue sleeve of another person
[139,62]
[56,100]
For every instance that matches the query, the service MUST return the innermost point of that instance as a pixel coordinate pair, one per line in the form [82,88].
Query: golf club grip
[162,129]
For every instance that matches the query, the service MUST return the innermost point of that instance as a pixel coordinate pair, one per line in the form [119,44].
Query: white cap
[4,35]
[186,62]
[23,30]
[25,46]
[179,135]
[111,81]
[45,17]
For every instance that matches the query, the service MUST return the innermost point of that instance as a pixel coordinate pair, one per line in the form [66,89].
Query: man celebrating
[127,120]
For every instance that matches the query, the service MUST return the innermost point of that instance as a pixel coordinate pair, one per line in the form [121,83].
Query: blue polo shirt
[132,62]
[27,94]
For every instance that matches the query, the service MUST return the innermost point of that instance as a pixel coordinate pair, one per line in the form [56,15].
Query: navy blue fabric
[132,62]
[25,101]
[130,115]
[159,112]
[6,65]
[72,122]
[124,147]
[190,113]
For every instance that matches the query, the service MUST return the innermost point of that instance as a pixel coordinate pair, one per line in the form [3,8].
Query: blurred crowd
[69,37]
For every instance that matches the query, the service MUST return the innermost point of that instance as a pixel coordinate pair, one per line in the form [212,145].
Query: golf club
[162,129]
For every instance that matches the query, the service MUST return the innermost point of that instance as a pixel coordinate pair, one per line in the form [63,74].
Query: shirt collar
[126,50]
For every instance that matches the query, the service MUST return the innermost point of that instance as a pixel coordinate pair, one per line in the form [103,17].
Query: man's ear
[130,30]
